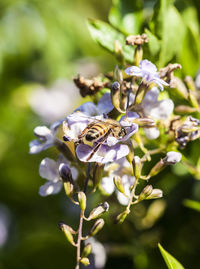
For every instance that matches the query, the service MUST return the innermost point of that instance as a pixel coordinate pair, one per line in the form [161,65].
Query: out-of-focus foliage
[41,41]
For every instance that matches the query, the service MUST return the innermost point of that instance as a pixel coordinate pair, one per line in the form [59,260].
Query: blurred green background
[43,44]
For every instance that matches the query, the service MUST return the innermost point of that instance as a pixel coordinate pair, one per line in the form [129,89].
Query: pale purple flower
[123,169]
[46,137]
[109,151]
[148,72]
[49,169]
[104,106]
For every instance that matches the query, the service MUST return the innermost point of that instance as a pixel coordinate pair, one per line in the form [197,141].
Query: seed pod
[98,211]
[158,167]
[96,227]
[82,200]
[118,74]
[87,250]
[116,96]
[68,232]
[119,185]
[85,261]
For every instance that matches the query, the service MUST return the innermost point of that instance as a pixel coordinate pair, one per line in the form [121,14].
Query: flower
[155,109]
[110,149]
[121,168]
[49,169]
[172,157]
[148,72]
[46,138]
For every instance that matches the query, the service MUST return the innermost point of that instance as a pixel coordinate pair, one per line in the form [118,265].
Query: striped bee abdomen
[96,131]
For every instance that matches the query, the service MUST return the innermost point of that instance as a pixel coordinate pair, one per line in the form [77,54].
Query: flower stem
[79,239]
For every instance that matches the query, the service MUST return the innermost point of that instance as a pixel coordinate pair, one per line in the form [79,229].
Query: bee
[98,131]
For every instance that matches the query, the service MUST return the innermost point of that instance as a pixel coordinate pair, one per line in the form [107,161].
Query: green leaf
[105,35]
[170,261]
[190,53]
[152,49]
[192,204]
[167,25]
[128,24]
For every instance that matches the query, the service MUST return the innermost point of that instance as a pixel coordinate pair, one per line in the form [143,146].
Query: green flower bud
[69,188]
[82,200]
[118,51]
[98,211]
[157,168]
[118,184]
[87,250]
[85,261]
[97,227]
[121,217]
[118,74]
[145,193]
[156,193]
[193,99]
[67,232]
[137,166]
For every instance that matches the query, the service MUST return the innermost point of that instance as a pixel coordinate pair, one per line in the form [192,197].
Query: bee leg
[95,149]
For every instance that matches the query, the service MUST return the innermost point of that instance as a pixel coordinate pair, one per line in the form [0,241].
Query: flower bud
[138,55]
[137,166]
[96,227]
[193,100]
[118,51]
[172,157]
[85,261]
[121,217]
[118,74]
[87,250]
[69,188]
[116,96]
[68,232]
[65,172]
[184,109]
[118,183]
[190,83]
[156,193]
[98,211]
[158,167]
[141,92]
[146,192]
[82,200]
[145,122]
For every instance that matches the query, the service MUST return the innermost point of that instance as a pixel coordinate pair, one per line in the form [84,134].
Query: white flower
[123,169]
[172,157]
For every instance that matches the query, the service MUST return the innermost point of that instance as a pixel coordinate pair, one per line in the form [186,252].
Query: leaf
[105,35]
[170,261]
[192,204]
[167,25]
[128,24]
[190,53]
[152,49]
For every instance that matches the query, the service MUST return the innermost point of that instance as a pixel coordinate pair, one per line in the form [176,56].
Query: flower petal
[37,146]
[108,185]
[49,169]
[42,132]
[152,133]
[148,66]
[50,188]
[88,108]
[133,71]
[105,104]
[103,155]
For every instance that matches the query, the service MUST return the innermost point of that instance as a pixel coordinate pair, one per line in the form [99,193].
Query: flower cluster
[98,140]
